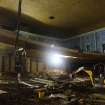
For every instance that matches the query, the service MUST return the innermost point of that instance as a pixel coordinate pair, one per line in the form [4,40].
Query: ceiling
[56,18]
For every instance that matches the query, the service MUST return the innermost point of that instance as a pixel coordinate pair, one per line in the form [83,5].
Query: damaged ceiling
[55,18]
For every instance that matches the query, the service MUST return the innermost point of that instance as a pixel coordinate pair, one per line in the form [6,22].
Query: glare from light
[52,46]
[65,56]
[55,59]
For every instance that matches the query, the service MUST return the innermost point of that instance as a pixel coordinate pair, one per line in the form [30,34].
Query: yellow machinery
[88,72]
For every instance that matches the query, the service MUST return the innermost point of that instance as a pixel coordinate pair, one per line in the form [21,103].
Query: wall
[88,42]
[33,65]
[39,38]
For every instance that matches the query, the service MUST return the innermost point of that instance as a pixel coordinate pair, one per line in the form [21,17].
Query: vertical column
[95,40]
[33,67]
[41,67]
[24,64]
[6,63]
[12,64]
[0,64]
[9,63]
[37,66]
[30,65]
[3,68]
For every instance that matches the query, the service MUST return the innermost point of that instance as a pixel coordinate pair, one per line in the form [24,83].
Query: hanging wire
[18,23]
[17,59]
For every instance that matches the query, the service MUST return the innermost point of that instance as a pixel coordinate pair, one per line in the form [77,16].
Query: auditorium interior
[52,52]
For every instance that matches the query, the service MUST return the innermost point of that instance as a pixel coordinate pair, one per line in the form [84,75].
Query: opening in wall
[88,48]
[103,48]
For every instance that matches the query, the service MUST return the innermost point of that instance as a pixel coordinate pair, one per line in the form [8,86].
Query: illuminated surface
[54,59]
[52,46]
[75,15]
[20,49]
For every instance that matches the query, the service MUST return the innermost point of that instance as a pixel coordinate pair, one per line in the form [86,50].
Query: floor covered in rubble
[31,91]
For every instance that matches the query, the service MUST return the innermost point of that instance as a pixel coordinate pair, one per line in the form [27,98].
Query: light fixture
[51,17]
[54,59]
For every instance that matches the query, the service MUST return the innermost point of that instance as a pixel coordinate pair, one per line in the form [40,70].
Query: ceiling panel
[70,15]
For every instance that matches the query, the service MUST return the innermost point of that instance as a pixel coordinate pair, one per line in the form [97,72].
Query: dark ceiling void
[51,17]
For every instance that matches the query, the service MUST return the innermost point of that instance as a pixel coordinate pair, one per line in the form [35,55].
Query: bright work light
[54,59]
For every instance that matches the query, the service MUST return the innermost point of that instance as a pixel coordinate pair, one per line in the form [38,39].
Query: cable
[18,23]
